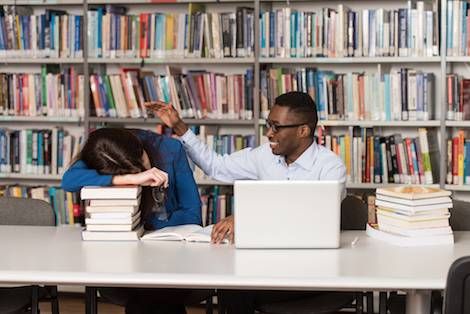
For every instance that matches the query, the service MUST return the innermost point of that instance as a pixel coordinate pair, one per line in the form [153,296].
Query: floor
[75,304]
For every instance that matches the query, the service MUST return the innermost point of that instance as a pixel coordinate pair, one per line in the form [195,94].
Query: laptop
[287,214]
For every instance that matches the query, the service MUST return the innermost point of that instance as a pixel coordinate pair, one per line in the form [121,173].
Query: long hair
[113,151]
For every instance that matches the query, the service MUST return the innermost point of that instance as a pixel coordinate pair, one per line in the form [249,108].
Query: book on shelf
[188,233]
[123,192]
[115,33]
[133,235]
[51,93]
[52,34]
[35,151]
[457,27]
[194,94]
[458,97]
[404,94]
[409,31]
[371,158]
[409,241]
[458,162]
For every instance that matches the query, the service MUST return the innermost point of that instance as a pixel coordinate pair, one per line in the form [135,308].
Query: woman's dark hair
[113,151]
[301,104]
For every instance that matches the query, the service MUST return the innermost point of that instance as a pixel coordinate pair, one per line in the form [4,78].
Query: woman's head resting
[114,151]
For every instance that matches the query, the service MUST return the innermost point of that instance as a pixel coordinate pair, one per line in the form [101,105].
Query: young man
[291,153]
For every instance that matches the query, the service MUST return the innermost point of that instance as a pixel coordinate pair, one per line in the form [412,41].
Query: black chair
[353,217]
[457,293]
[31,212]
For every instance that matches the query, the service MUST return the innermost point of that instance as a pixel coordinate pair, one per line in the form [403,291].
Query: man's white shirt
[316,163]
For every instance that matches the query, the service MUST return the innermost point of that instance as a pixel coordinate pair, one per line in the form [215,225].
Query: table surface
[50,255]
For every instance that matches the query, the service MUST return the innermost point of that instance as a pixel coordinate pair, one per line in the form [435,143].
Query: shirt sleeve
[189,203]
[240,165]
[79,175]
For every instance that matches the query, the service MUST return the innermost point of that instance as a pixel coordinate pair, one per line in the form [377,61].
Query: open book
[190,233]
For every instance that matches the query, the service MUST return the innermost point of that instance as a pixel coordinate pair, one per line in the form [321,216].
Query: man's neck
[299,151]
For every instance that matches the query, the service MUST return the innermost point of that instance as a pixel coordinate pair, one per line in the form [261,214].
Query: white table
[48,255]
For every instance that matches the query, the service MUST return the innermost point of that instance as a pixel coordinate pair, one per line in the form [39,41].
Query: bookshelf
[440,65]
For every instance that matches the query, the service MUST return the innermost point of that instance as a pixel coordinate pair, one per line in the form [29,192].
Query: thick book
[106,220]
[112,209]
[412,224]
[114,202]
[418,202]
[189,233]
[411,209]
[399,240]
[110,192]
[113,235]
[413,192]
[415,232]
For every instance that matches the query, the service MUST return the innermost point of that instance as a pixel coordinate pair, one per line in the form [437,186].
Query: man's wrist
[180,128]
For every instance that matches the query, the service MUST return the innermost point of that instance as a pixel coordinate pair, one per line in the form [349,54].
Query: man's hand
[151,177]
[167,113]
[223,229]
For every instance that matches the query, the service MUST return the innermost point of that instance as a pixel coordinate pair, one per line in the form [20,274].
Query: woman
[120,157]
[114,156]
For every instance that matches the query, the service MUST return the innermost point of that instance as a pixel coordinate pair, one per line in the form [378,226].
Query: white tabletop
[50,255]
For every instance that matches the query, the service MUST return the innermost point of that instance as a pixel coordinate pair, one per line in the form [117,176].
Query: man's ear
[304,131]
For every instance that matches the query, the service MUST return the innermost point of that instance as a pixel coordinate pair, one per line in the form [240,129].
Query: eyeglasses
[159,196]
[276,127]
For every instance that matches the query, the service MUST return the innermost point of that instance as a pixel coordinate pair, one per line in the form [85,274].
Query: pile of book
[112,213]
[412,216]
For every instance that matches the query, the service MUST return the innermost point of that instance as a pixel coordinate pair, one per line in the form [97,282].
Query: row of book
[458,97]
[412,216]
[403,94]
[371,158]
[195,94]
[112,33]
[458,159]
[54,34]
[66,205]
[458,28]
[221,144]
[216,204]
[35,151]
[342,32]
[53,93]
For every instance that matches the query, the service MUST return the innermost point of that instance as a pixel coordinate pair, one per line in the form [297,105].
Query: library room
[234,156]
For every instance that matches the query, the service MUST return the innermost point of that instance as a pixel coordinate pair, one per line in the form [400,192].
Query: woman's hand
[223,229]
[151,177]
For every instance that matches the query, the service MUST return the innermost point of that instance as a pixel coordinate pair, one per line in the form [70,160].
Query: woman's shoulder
[155,139]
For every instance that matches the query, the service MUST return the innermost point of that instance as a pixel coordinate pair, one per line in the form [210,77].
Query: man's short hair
[302,104]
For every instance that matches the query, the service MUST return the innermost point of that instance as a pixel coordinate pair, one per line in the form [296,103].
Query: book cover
[110,192]
[413,192]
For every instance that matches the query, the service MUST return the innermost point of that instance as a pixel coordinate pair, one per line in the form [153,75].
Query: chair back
[26,211]
[457,293]
[353,213]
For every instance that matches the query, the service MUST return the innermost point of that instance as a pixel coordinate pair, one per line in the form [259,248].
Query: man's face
[285,140]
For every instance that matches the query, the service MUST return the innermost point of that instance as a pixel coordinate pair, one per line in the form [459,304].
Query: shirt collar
[306,160]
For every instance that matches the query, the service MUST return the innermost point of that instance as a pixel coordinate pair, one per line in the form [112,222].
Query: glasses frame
[277,127]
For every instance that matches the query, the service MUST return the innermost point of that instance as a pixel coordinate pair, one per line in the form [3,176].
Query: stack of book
[112,213]
[412,216]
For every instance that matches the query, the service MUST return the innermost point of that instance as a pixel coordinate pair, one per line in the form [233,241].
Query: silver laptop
[287,214]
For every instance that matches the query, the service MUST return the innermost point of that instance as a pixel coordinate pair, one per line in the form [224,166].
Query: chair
[353,217]
[26,211]
[457,293]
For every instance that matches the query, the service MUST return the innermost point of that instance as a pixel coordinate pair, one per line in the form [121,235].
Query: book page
[202,235]
[174,233]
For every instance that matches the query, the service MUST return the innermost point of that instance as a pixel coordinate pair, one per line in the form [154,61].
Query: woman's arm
[79,175]
[189,202]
